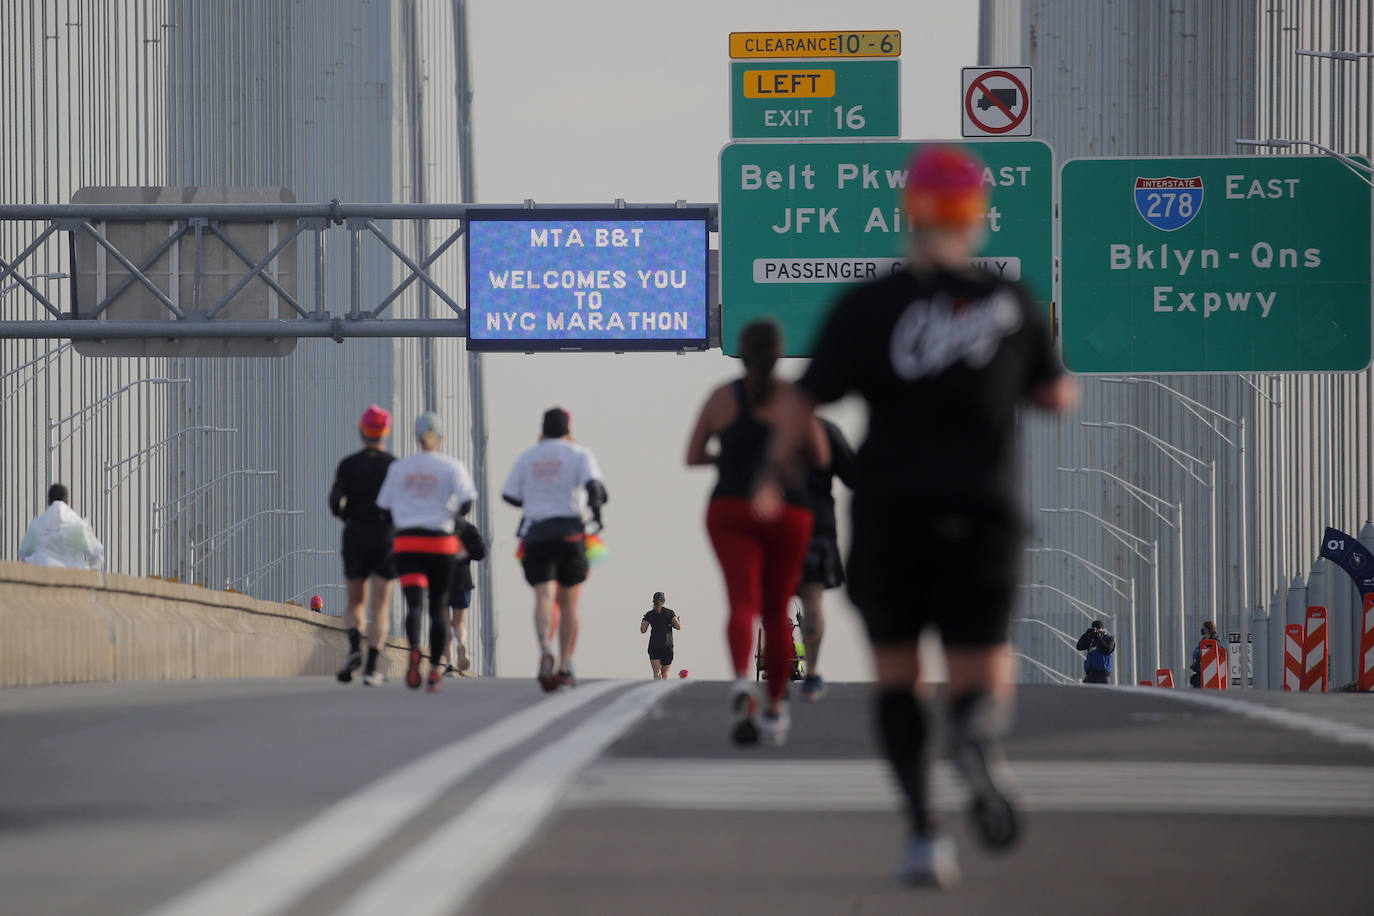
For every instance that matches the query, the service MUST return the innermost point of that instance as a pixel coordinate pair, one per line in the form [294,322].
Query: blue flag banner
[1351,556]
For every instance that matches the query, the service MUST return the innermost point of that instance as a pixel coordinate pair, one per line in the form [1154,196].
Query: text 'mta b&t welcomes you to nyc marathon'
[595,283]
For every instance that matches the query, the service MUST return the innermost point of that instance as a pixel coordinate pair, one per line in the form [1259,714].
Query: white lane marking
[280,874]
[444,871]
[1340,732]
[1070,785]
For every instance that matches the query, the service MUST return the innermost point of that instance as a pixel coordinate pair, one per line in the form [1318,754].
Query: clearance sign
[747,45]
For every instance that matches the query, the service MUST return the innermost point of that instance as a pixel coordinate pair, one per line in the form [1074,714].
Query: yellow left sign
[790,84]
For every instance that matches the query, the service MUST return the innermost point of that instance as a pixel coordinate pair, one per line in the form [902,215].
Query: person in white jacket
[61,537]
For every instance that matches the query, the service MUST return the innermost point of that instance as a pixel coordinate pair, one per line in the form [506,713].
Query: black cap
[1097,625]
[659,596]
[1208,627]
[556,423]
[58,493]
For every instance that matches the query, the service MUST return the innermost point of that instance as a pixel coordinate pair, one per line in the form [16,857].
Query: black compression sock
[976,715]
[903,730]
[371,661]
[355,639]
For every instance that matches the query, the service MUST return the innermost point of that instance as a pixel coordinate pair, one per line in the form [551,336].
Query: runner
[460,595]
[368,564]
[424,492]
[662,621]
[760,559]
[822,568]
[944,355]
[553,482]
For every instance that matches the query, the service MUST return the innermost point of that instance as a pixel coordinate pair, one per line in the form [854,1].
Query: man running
[460,595]
[424,492]
[822,568]
[660,622]
[368,564]
[944,354]
[553,482]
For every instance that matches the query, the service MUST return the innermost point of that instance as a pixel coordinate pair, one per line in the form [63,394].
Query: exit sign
[786,99]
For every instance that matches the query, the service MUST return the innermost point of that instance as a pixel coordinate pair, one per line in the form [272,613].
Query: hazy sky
[589,100]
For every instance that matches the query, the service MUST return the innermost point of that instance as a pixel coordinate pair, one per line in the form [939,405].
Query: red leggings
[762,562]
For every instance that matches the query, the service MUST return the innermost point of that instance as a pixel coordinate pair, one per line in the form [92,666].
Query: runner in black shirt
[460,595]
[367,540]
[822,568]
[944,355]
[662,621]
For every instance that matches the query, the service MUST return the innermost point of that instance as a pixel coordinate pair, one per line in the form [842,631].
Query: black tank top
[743,451]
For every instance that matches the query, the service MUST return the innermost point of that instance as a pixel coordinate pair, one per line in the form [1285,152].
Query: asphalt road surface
[302,796]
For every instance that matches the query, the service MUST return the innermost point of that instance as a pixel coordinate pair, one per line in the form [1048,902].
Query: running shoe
[773,728]
[928,861]
[994,815]
[352,663]
[450,671]
[813,688]
[374,679]
[548,677]
[435,681]
[744,709]
[413,670]
[566,679]
[464,663]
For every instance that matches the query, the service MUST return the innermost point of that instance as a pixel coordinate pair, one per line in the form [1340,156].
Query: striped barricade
[1293,641]
[1164,678]
[1315,667]
[1366,681]
[1209,665]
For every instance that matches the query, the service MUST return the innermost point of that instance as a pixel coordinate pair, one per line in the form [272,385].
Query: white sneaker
[464,663]
[773,729]
[928,861]
[744,709]
[375,679]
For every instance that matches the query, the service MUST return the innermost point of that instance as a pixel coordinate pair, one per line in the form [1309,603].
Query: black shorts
[460,599]
[367,551]
[662,655]
[564,562]
[822,565]
[955,573]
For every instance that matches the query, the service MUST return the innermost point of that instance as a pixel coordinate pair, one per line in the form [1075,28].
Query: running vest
[743,451]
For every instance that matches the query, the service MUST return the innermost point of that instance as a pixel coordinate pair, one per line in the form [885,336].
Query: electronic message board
[587,279]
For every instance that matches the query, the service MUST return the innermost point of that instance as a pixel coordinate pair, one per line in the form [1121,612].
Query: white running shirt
[425,490]
[550,480]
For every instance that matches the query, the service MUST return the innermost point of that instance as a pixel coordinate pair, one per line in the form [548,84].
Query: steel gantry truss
[201,318]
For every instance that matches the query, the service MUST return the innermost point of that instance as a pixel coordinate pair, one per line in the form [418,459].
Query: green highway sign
[801,221]
[777,99]
[1215,264]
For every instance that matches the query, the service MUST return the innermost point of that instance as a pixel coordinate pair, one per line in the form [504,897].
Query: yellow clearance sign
[790,84]
[816,44]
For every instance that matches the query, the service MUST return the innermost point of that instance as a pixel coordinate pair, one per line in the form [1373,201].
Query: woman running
[761,560]
[423,492]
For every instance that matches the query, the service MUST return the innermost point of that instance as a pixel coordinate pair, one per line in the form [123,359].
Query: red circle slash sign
[1013,120]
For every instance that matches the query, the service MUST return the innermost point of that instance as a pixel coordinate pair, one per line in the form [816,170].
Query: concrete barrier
[67,625]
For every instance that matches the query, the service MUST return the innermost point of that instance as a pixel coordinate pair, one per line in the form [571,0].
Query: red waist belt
[419,543]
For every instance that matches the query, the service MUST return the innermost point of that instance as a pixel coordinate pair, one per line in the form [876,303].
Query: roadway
[301,796]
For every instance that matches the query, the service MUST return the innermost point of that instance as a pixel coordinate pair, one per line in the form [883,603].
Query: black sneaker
[548,678]
[566,679]
[997,822]
[352,663]
[744,710]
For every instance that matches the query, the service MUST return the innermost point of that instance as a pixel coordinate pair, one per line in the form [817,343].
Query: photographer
[1097,666]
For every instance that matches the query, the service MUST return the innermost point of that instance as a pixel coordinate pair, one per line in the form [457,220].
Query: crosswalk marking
[865,785]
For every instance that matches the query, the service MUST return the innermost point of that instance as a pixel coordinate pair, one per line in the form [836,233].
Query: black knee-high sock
[903,729]
[372,654]
[415,610]
[976,716]
[355,639]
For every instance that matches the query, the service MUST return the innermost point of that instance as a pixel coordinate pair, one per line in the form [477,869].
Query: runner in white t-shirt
[423,492]
[553,482]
